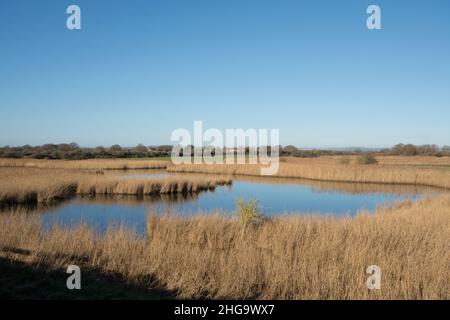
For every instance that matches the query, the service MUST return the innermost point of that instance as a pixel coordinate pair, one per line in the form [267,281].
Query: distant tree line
[74,152]
[422,150]
[293,151]
[398,150]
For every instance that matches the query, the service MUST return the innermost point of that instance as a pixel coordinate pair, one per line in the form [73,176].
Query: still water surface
[275,196]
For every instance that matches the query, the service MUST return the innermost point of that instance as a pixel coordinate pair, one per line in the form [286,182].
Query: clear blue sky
[140,69]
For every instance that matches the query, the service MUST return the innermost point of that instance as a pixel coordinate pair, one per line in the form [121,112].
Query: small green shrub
[344,161]
[366,159]
[249,212]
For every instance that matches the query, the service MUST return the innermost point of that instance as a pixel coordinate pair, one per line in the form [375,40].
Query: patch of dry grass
[414,160]
[382,159]
[323,170]
[290,257]
[95,164]
[32,185]
[105,186]
[35,185]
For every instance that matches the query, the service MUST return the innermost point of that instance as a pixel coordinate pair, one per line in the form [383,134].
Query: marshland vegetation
[292,256]
[91,164]
[287,257]
[47,181]
[20,185]
[336,172]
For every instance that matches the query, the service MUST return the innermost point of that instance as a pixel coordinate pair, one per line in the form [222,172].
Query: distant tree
[141,148]
[116,151]
[141,151]
[165,148]
[412,150]
[115,148]
[409,150]
[427,149]
[397,149]
[289,150]
[366,159]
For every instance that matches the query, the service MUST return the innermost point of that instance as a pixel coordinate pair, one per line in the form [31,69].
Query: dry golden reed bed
[325,170]
[36,185]
[386,160]
[290,257]
[98,164]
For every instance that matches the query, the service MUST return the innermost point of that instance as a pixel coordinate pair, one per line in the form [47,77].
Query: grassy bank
[290,257]
[325,170]
[94,164]
[20,185]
